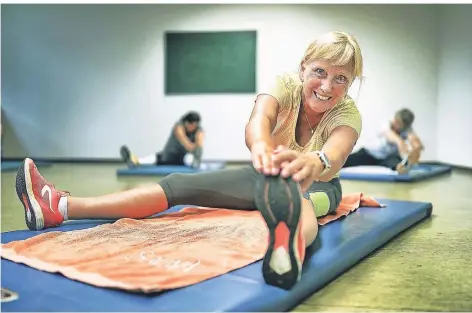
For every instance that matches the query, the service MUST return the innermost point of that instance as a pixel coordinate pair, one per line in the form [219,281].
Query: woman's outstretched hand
[262,158]
[302,167]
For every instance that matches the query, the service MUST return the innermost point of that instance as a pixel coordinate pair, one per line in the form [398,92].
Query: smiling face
[324,85]
[328,68]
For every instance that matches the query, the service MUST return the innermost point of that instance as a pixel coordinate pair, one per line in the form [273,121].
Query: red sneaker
[279,201]
[39,198]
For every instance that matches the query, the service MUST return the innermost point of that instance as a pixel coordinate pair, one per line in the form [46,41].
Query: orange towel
[171,251]
[349,203]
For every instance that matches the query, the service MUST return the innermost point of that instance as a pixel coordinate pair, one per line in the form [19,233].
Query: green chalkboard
[210,62]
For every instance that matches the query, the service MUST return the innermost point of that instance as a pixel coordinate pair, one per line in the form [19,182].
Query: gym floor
[424,269]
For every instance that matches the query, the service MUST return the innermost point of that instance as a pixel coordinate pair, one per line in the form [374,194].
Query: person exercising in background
[184,146]
[397,147]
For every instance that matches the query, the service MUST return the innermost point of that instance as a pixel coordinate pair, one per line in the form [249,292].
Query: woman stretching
[300,133]
[184,146]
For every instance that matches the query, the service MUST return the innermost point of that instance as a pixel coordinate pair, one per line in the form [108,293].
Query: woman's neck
[312,115]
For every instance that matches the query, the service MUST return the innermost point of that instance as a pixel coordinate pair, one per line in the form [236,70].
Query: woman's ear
[301,71]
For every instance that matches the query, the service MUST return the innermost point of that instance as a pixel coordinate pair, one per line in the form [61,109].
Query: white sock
[63,207]
[150,159]
[188,159]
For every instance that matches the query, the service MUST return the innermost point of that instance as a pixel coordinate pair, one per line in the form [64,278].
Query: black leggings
[362,157]
[163,158]
[234,189]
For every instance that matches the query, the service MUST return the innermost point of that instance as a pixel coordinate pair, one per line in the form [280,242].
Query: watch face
[325,160]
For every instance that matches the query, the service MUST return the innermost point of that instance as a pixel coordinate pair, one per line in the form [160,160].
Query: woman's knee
[174,184]
[324,198]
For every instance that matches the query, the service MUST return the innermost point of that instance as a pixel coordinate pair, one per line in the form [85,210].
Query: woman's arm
[199,138]
[259,133]
[416,148]
[415,141]
[183,139]
[337,148]
[395,138]
[392,136]
[262,121]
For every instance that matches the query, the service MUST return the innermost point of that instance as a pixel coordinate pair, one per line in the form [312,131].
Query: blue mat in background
[162,170]
[338,247]
[13,165]
[417,173]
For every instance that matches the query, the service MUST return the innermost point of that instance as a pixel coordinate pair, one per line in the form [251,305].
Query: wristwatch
[324,159]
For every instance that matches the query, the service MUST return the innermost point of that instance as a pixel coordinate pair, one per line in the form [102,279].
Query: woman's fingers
[303,174]
[284,156]
[257,162]
[292,167]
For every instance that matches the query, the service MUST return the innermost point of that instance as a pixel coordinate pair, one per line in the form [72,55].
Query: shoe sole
[24,191]
[278,199]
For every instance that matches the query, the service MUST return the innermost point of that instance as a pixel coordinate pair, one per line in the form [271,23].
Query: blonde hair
[339,48]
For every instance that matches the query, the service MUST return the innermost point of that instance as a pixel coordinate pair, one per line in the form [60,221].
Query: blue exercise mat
[338,247]
[159,170]
[417,173]
[13,165]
